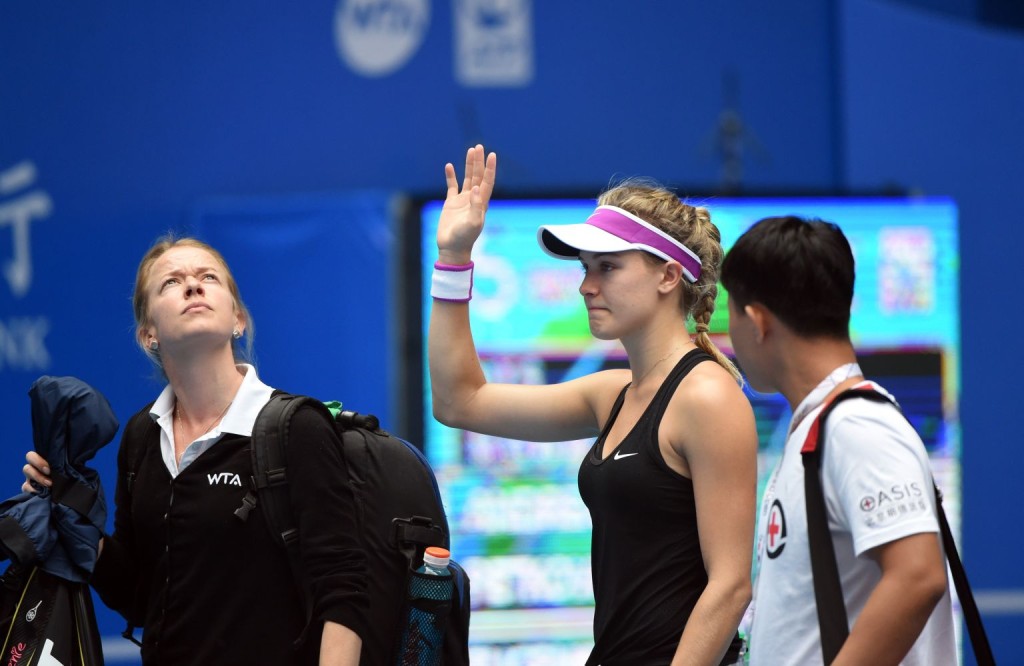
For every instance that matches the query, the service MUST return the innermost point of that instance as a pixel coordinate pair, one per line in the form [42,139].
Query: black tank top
[645,553]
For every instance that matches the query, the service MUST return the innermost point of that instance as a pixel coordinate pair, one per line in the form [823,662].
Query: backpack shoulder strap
[828,592]
[136,434]
[269,482]
[815,436]
[269,453]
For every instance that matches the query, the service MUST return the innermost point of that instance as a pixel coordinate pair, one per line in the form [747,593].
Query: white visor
[611,229]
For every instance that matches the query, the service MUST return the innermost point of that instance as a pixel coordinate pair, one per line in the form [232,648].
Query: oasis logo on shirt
[224,479]
[894,493]
[776,531]
[893,504]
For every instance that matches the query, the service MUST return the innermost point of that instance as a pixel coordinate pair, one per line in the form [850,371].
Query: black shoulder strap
[133,443]
[269,482]
[269,466]
[828,592]
[972,616]
[676,375]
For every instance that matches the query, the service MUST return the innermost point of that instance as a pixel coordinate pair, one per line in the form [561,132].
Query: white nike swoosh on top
[619,455]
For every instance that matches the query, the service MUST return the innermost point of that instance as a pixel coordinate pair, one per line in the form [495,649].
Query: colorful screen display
[519,526]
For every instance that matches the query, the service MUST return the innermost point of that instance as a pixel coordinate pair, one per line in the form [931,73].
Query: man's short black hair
[801,270]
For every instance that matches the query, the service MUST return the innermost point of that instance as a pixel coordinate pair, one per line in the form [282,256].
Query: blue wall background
[244,122]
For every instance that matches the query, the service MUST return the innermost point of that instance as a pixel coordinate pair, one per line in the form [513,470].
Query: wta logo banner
[376,38]
[493,43]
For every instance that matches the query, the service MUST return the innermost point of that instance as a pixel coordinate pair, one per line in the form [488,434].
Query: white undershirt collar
[250,398]
[818,394]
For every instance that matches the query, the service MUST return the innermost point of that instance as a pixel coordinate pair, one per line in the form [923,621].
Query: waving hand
[462,217]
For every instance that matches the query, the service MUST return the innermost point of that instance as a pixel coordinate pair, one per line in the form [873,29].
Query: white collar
[241,415]
[813,399]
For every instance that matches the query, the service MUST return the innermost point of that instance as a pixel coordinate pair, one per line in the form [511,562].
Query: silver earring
[236,334]
[154,346]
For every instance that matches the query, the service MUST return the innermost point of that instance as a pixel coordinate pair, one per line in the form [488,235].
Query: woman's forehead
[184,256]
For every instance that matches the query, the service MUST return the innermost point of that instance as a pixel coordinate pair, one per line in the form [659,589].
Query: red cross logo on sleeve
[776,530]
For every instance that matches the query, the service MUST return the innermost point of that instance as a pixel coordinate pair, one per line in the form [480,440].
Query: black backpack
[400,514]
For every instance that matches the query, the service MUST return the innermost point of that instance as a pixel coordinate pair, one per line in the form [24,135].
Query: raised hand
[462,218]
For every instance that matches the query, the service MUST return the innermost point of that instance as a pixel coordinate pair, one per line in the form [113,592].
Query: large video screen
[519,526]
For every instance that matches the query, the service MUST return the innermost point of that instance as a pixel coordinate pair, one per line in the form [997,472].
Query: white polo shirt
[878,488]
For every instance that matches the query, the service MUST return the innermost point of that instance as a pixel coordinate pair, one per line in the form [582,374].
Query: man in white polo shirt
[790,284]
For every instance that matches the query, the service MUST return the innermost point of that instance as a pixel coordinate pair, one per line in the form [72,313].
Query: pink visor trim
[630,228]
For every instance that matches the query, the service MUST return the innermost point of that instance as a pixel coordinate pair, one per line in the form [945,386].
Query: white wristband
[452,283]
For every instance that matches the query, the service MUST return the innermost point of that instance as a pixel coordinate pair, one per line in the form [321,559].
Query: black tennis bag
[46,620]
[400,514]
